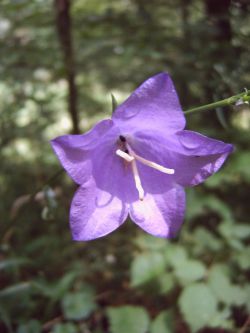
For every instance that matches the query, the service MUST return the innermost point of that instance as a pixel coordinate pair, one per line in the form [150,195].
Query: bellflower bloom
[137,163]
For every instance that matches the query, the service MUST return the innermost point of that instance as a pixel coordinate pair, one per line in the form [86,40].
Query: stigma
[127,153]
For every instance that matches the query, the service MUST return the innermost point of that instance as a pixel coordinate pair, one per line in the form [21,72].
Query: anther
[122,138]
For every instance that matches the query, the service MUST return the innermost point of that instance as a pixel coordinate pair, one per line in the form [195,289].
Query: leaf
[12,291]
[221,117]
[5,316]
[223,289]
[223,320]
[32,326]
[163,323]
[56,290]
[242,258]
[151,243]
[166,282]
[114,103]
[78,305]
[220,284]
[247,292]
[198,305]
[128,319]
[190,271]
[205,239]
[232,230]
[65,328]
[175,255]
[12,263]
[146,267]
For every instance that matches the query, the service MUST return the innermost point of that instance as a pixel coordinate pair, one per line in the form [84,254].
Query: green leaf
[222,320]
[151,243]
[15,289]
[128,319]
[166,282]
[198,305]
[223,289]
[32,326]
[12,263]
[65,328]
[5,316]
[146,267]
[78,305]
[247,292]
[175,255]
[190,271]
[163,323]
[205,239]
[242,258]
[220,284]
[114,103]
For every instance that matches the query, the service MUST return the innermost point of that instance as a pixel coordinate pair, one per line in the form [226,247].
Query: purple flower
[137,163]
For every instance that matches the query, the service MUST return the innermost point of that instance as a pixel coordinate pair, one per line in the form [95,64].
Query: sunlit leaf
[78,305]
[163,323]
[146,267]
[198,305]
[126,319]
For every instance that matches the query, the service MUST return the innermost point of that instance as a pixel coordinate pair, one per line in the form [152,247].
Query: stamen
[137,179]
[122,138]
[154,165]
[124,155]
[150,163]
[130,156]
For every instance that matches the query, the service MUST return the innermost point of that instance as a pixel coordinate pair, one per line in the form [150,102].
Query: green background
[128,281]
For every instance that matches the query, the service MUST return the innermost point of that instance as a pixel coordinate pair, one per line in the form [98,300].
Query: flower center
[127,153]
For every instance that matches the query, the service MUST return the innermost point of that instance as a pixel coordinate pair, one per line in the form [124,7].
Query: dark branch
[63,24]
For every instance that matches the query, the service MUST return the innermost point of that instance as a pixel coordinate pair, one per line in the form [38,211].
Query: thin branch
[222,103]
[64,27]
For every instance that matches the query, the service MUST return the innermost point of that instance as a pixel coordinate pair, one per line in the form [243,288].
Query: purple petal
[194,157]
[155,103]
[160,215]
[73,151]
[95,213]
[112,174]
[198,157]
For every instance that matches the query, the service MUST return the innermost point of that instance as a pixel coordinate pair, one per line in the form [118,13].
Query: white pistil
[124,155]
[137,179]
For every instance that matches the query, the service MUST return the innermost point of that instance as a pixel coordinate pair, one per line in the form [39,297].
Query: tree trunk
[63,24]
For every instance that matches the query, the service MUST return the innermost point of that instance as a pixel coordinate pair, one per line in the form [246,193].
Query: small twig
[245,325]
[51,323]
[224,102]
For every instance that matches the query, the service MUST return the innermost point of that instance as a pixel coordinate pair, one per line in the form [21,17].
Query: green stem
[224,102]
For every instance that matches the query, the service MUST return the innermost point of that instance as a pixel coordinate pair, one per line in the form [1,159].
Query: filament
[124,155]
[137,179]
[130,156]
[154,165]
[150,163]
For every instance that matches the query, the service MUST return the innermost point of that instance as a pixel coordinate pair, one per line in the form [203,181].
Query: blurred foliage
[128,281]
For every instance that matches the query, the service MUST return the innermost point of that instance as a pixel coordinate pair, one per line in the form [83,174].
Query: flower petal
[161,214]
[154,102]
[193,156]
[198,157]
[95,213]
[73,151]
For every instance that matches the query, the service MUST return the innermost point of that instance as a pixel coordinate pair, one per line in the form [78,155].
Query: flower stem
[224,102]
